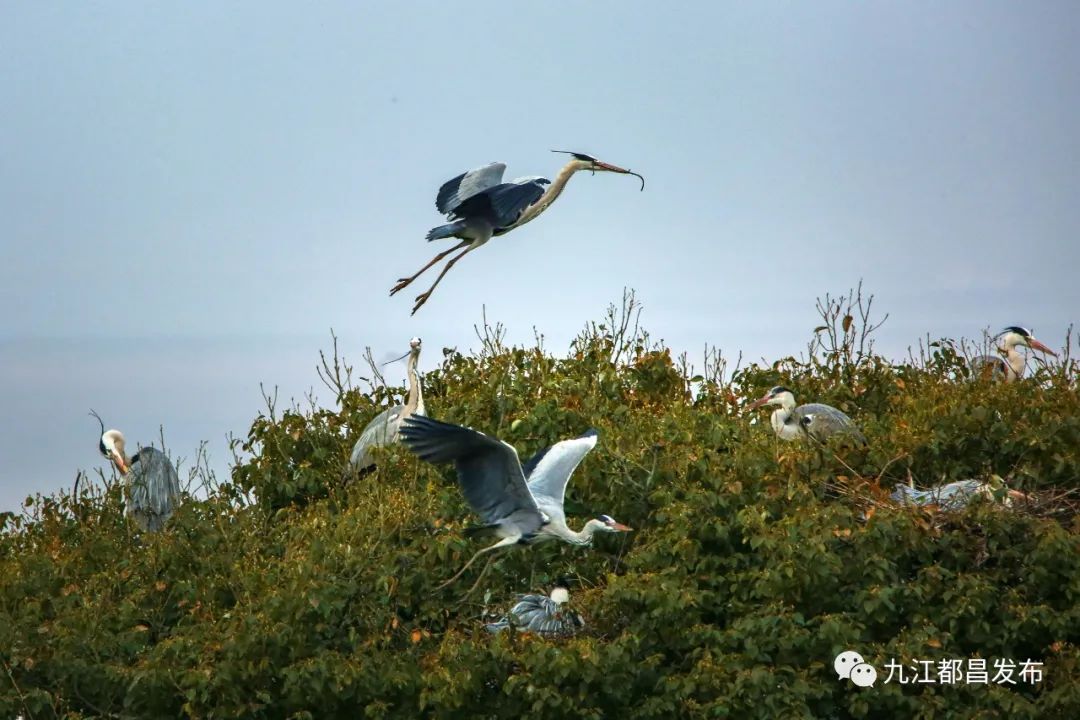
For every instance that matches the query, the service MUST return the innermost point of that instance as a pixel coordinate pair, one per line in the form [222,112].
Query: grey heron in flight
[384,427]
[481,206]
[812,420]
[520,504]
[153,486]
[543,615]
[1010,367]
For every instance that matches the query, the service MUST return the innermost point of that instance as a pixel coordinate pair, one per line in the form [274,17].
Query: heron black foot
[420,300]
[402,283]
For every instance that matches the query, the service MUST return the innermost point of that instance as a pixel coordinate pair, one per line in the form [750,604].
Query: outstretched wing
[501,206]
[549,471]
[488,470]
[464,186]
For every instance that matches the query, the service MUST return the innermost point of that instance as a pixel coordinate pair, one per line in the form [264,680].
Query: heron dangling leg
[423,297]
[479,577]
[505,542]
[404,282]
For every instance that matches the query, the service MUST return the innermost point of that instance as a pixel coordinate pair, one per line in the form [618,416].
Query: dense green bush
[292,593]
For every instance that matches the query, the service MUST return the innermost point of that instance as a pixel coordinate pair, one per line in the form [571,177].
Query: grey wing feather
[464,186]
[488,470]
[950,496]
[549,471]
[822,421]
[498,627]
[154,489]
[380,432]
[541,615]
[509,200]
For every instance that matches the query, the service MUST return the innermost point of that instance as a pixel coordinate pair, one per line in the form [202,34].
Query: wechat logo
[850,665]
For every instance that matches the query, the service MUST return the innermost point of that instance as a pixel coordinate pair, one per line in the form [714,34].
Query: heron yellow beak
[608,167]
[118,460]
[759,402]
[619,527]
[1036,345]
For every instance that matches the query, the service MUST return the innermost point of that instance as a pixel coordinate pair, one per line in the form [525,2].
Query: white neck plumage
[1015,359]
[553,192]
[415,401]
[585,536]
[779,419]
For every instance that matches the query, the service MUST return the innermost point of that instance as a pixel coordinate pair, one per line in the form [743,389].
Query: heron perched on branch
[481,206]
[813,420]
[1011,366]
[153,486]
[522,505]
[384,428]
[542,615]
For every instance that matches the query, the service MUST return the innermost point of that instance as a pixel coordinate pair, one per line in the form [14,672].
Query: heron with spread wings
[521,504]
[481,206]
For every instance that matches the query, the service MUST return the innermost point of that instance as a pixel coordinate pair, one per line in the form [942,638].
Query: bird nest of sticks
[1061,505]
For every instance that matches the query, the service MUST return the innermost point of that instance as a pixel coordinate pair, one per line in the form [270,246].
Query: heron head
[559,595]
[609,524]
[778,395]
[1016,335]
[588,162]
[414,349]
[111,446]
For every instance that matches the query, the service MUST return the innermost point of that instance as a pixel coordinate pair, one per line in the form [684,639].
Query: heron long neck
[553,191]
[585,536]
[415,402]
[779,419]
[1016,361]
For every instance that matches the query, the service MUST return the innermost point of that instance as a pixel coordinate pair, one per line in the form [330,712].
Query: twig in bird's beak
[400,358]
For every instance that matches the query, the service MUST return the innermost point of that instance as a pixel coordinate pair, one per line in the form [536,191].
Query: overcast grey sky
[192,194]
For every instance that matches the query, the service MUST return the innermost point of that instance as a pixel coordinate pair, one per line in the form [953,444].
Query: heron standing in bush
[482,206]
[1011,366]
[384,428]
[813,420]
[153,486]
[542,615]
[494,483]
